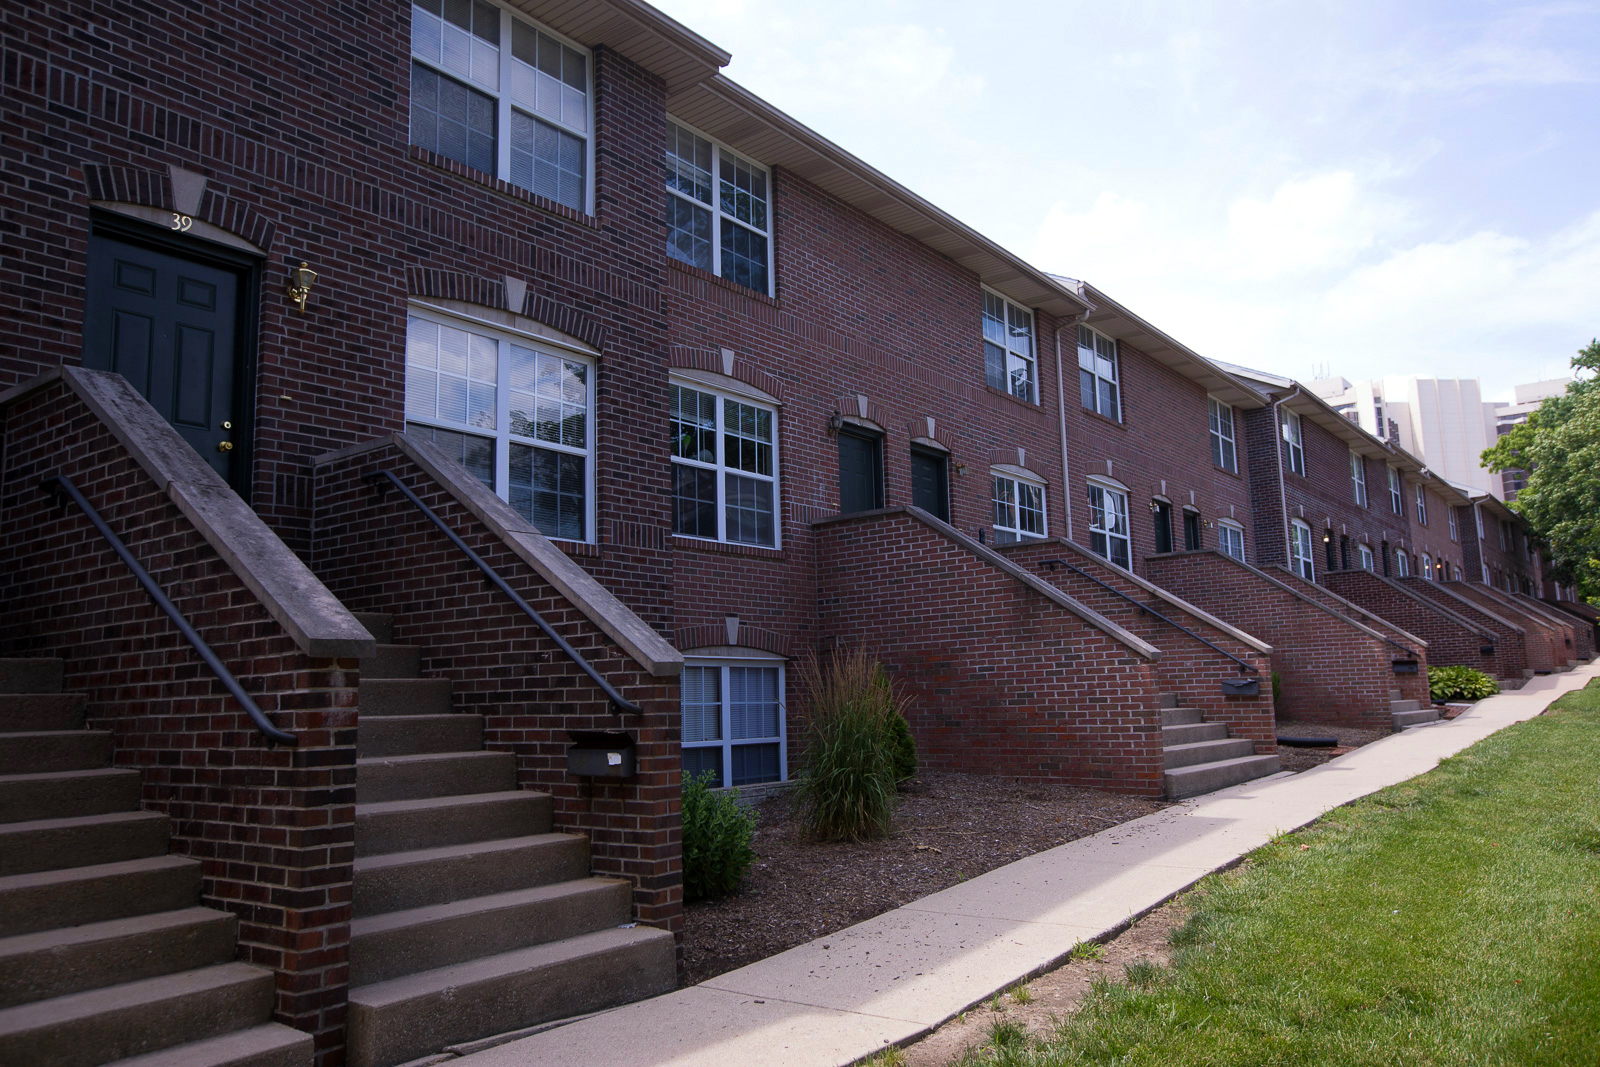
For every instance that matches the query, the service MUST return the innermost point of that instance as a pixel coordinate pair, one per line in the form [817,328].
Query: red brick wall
[1549,640]
[1566,636]
[1507,566]
[1584,613]
[379,553]
[297,116]
[1162,447]
[1513,645]
[1434,538]
[1412,646]
[1187,667]
[272,827]
[1329,670]
[1452,639]
[1003,680]
[1582,634]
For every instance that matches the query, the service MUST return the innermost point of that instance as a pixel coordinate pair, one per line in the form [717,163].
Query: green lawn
[1453,919]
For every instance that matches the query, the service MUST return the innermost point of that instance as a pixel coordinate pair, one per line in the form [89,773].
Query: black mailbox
[1405,666]
[595,754]
[1487,650]
[1241,687]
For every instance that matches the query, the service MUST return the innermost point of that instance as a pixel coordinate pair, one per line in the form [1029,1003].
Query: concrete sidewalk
[893,978]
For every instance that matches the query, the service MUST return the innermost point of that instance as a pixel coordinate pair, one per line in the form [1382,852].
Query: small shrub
[847,788]
[902,747]
[1277,689]
[716,840]
[1460,683]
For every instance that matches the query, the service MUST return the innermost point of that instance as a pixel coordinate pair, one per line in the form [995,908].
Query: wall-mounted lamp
[1326,538]
[961,468]
[301,279]
[835,422]
[1155,507]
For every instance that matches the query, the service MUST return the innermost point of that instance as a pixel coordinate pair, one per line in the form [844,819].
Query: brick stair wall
[1003,678]
[1453,639]
[1546,649]
[1331,668]
[1187,668]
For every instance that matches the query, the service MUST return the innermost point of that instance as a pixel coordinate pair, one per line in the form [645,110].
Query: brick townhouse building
[431,429]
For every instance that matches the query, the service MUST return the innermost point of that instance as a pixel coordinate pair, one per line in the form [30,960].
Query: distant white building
[1442,420]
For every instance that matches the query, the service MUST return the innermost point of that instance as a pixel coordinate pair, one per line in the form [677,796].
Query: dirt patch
[1053,996]
[949,828]
[1303,759]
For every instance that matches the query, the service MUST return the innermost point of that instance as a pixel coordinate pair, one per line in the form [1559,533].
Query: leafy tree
[1559,447]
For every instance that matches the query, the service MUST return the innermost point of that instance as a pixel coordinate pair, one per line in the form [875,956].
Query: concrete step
[44,900]
[31,675]
[383,947]
[406,1018]
[62,794]
[1165,701]
[393,661]
[41,711]
[54,963]
[434,822]
[1395,694]
[405,696]
[1208,751]
[411,735]
[403,880]
[434,774]
[1189,733]
[267,1045]
[379,624]
[1403,705]
[87,1029]
[1181,716]
[1416,717]
[39,751]
[1207,777]
[81,841]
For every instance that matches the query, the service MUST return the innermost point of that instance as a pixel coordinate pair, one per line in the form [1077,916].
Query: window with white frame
[1009,361]
[1505,535]
[1018,508]
[733,721]
[1427,566]
[1358,479]
[724,467]
[1397,502]
[1402,563]
[1422,504]
[1455,531]
[1223,452]
[1296,441]
[516,413]
[1098,379]
[1364,555]
[1485,573]
[1230,538]
[1108,525]
[1300,550]
[717,210]
[501,95]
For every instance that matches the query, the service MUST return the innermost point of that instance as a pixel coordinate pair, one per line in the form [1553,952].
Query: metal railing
[61,487]
[1146,608]
[385,478]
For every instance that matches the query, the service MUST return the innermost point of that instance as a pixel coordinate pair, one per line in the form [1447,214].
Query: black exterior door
[170,323]
[1191,530]
[1163,526]
[860,472]
[930,483]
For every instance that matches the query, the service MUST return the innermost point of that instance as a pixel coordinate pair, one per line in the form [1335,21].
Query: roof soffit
[634,30]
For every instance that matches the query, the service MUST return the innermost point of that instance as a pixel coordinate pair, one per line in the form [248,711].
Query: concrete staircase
[471,919]
[1201,757]
[105,954]
[1404,713]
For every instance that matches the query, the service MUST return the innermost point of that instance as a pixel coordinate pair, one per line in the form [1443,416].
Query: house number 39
[181,223]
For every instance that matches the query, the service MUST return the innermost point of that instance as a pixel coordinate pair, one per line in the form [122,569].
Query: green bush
[1460,683]
[716,840]
[853,760]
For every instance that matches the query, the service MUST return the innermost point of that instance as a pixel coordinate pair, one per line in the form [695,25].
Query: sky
[1349,188]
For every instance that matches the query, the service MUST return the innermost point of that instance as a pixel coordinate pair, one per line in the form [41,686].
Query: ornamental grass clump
[858,748]
[1460,683]
[716,840]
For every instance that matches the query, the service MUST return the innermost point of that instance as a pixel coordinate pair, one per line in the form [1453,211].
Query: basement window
[1018,508]
[1364,556]
[733,721]
[1230,538]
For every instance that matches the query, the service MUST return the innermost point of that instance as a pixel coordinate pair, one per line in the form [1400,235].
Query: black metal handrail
[493,576]
[1243,665]
[59,485]
[1411,652]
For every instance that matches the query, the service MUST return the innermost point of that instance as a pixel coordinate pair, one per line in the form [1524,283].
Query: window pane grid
[733,723]
[743,454]
[1224,452]
[1231,540]
[455,43]
[1008,357]
[735,243]
[1018,509]
[1108,526]
[1099,389]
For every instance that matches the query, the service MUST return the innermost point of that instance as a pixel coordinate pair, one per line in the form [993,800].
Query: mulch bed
[949,827]
[1303,759]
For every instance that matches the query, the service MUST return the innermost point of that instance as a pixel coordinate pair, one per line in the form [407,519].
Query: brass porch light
[301,279]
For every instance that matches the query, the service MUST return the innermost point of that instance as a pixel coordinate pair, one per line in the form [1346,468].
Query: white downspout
[1061,406]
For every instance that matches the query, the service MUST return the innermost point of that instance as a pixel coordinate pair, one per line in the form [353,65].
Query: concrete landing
[893,978]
